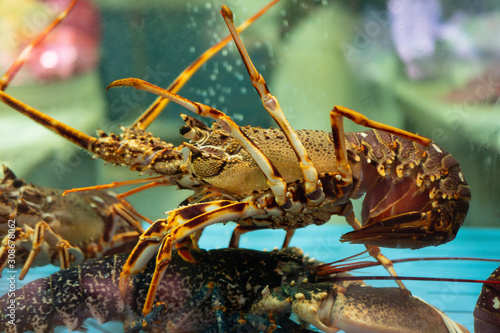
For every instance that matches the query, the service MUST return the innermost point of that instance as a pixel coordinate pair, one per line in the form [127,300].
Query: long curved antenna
[25,54]
[77,137]
[157,107]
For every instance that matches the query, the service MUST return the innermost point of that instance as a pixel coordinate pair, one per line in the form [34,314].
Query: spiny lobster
[415,192]
[226,290]
[39,226]
[487,310]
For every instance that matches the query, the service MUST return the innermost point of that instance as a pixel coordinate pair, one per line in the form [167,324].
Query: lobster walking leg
[10,238]
[314,189]
[241,230]
[181,223]
[44,233]
[336,118]
[375,251]
[41,235]
[234,242]
[339,112]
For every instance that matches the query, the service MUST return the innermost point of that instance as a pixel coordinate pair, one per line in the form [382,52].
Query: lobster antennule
[77,137]
[157,107]
[163,157]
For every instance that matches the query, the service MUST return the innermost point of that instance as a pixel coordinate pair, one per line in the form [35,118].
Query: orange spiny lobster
[415,192]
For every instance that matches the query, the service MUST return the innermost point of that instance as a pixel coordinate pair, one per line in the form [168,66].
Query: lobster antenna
[25,54]
[406,278]
[161,102]
[77,137]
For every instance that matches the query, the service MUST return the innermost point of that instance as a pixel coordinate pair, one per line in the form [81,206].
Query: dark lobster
[225,290]
[487,310]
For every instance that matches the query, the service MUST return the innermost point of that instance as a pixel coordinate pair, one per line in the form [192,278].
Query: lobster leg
[340,111]
[156,180]
[124,237]
[314,189]
[337,122]
[4,246]
[128,213]
[373,250]
[122,242]
[181,223]
[139,325]
[44,233]
[241,230]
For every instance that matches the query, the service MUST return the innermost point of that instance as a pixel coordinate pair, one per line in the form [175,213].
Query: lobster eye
[187,132]
[17,183]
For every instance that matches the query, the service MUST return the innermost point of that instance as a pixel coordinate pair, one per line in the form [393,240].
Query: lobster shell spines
[416,196]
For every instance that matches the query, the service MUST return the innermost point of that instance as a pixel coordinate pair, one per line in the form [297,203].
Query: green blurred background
[441,80]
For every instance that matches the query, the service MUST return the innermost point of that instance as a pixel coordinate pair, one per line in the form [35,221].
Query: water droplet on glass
[239,76]
[238,117]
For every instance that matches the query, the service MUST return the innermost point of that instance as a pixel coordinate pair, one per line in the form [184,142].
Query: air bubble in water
[238,117]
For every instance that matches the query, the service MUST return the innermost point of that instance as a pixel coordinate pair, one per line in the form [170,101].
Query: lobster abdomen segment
[416,196]
[67,297]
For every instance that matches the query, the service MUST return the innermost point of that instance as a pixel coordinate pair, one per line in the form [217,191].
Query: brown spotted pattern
[416,196]
[70,296]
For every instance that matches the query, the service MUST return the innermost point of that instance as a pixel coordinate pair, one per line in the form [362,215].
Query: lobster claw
[411,230]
